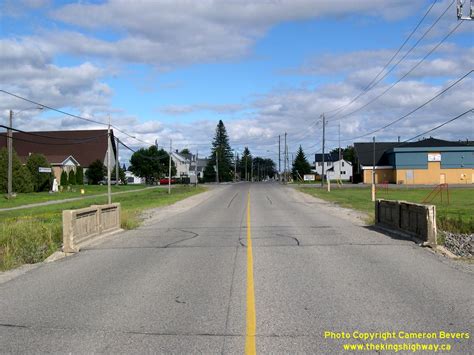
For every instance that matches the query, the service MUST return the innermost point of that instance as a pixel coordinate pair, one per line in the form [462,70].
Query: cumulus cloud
[166,33]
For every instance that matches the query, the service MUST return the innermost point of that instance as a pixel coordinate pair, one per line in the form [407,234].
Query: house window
[319,163]
[342,163]
[329,163]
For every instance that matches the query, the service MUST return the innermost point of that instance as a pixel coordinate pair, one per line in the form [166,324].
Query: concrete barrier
[79,226]
[412,218]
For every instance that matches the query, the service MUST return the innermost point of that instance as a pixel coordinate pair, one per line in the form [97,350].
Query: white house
[182,163]
[334,168]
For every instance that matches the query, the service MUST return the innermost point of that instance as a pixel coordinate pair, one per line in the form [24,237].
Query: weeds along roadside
[30,236]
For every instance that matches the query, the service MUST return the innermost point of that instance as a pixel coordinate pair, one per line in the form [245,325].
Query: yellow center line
[251,318]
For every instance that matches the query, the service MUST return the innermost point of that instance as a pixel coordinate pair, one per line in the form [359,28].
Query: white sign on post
[309,177]
[44,170]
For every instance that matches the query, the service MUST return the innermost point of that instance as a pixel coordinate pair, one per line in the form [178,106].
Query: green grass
[31,235]
[75,191]
[455,217]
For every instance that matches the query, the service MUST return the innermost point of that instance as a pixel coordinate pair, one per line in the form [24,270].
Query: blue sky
[172,69]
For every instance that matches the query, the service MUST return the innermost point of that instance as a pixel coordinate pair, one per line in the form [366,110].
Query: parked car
[165,181]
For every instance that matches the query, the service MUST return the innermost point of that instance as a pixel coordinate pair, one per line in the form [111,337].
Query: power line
[368,86]
[405,142]
[404,76]
[412,111]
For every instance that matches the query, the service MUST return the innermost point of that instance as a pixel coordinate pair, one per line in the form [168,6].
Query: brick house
[64,150]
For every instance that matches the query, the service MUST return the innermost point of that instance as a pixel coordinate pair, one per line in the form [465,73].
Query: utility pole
[284,169]
[109,161]
[246,177]
[196,168]
[10,155]
[169,168]
[373,172]
[279,160]
[117,162]
[339,151]
[324,141]
[235,166]
[217,166]
[251,170]
[459,8]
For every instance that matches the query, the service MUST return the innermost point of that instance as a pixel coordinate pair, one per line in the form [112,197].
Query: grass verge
[74,191]
[31,235]
[456,217]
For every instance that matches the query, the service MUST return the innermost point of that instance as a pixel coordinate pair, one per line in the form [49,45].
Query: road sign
[309,177]
[44,170]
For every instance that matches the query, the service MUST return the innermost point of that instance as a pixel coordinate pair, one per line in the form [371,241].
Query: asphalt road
[184,284]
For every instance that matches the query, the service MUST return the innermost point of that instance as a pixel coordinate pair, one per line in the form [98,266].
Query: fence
[83,224]
[412,218]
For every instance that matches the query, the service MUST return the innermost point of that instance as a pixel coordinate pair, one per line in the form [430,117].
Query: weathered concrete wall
[412,218]
[83,224]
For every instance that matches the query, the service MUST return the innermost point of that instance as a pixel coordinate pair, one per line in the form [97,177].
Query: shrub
[64,178]
[80,175]
[41,181]
[21,177]
[95,172]
[72,178]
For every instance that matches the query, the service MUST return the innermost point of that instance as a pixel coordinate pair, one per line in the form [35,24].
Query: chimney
[398,139]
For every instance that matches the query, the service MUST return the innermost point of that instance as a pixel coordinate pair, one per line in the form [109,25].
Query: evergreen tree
[221,146]
[22,181]
[72,178]
[21,177]
[41,181]
[300,165]
[80,175]
[185,151]
[64,178]
[95,172]
[245,165]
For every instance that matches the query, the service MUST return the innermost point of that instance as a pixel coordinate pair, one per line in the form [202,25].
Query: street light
[10,149]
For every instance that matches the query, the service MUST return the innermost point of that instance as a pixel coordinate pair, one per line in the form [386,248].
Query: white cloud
[167,33]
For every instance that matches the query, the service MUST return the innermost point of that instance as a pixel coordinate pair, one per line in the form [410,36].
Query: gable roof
[85,146]
[327,157]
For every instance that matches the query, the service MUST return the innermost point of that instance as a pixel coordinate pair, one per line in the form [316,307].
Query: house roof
[327,157]
[85,146]
[433,142]
[365,152]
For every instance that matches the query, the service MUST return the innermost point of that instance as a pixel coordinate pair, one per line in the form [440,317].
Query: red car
[165,181]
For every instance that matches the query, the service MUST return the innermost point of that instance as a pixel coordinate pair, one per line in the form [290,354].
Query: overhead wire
[402,77]
[368,86]
[391,123]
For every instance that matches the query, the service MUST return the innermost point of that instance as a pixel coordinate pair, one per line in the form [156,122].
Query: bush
[80,175]
[64,178]
[95,172]
[21,177]
[72,178]
[41,181]
[22,180]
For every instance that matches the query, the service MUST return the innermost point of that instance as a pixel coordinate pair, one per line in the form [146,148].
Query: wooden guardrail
[81,225]
[412,218]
